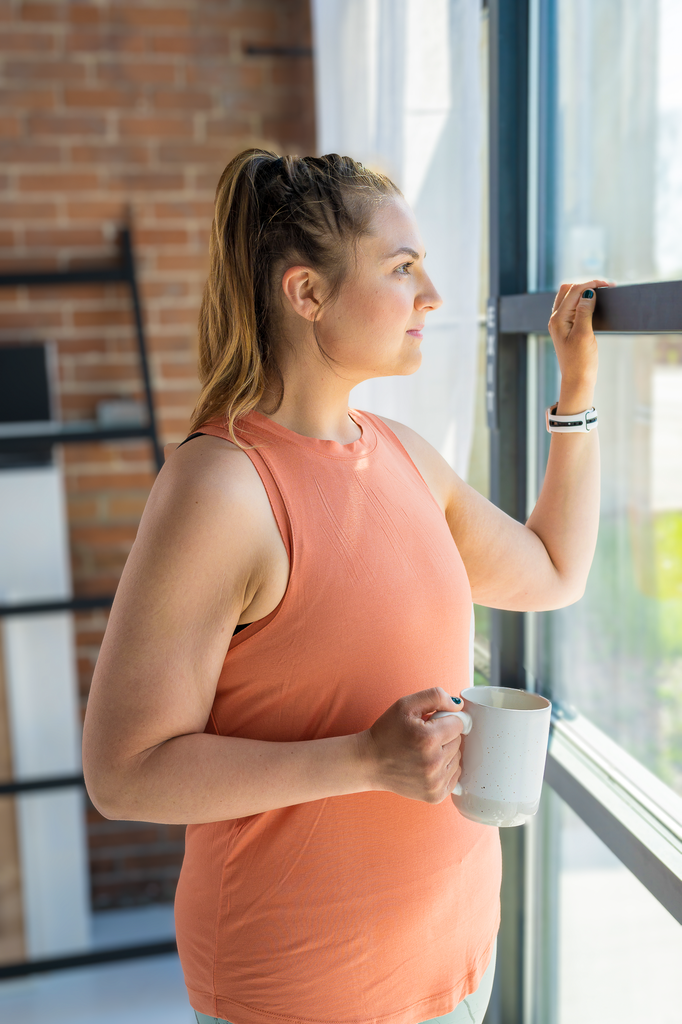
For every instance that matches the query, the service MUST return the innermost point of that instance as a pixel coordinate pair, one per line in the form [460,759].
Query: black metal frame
[73,434]
[70,433]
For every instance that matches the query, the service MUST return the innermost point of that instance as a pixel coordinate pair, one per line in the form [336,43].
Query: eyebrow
[404,250]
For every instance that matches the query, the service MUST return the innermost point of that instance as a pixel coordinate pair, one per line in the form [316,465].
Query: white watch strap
[579,422]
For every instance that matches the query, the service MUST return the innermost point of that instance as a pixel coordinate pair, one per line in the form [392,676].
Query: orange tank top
[357,909]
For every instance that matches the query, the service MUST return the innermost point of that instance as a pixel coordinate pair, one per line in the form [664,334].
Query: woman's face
[374,327]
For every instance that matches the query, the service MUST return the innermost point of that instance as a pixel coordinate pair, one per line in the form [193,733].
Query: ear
[303,288]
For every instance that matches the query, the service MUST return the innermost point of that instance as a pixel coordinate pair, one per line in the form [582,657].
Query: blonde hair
[271,210]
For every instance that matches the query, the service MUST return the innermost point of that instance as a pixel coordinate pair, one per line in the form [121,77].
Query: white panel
[55,871]
[42,698]
[39,661]
[34,549]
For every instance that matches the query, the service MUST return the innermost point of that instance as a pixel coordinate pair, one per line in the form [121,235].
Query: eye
[404,268]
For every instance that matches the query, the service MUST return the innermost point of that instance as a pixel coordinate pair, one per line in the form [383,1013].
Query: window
[585,156]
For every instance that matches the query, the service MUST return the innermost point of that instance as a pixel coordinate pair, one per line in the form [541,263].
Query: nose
[428,298]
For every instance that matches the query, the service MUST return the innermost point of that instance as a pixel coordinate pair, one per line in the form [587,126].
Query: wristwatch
[579,422]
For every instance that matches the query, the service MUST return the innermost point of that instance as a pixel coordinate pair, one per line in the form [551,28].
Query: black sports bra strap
[197,434]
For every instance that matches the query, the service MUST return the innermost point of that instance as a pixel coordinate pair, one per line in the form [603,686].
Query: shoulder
[438,474]
[204,485]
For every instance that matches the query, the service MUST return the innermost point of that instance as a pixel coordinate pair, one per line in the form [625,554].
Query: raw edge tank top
[355,909]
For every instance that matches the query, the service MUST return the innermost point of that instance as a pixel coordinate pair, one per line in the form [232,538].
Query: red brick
[9,126]
[26,152]
[173,371]
[7,239]
[184,208]
[69,182]
[182,100]
[255,19]
[148,181]
[103,535]
[83,14]
[216,153]
[141,17]
[228,126]
[24,100]
[144,72]
[66,124]
[33,319]
[161,236]
[54,70]
[181,45]
[66,293]
[177,316]
[103,372]
[102,317]
[100,99]
[32,42]
[64,236]
[126,508]
[108,154]
[103,209]
[157,127]
[99,482]
[95,41]
[182,261]
[40,12]
[17,263]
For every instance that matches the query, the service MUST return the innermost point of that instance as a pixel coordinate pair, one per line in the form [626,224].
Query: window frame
[630,810]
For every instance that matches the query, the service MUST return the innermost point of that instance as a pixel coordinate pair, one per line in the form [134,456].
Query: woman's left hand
[570,328]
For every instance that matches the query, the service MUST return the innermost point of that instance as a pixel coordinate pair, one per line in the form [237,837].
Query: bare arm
[199,559]
[543,564]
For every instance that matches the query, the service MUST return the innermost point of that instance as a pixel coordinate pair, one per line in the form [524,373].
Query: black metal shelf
[123,273]
[66,434]
[84,275]
[37,785]
[100,956]
[70,604]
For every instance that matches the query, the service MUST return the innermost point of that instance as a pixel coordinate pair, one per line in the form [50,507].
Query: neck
[315,403]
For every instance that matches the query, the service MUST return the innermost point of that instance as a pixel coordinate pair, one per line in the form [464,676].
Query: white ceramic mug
[504,748]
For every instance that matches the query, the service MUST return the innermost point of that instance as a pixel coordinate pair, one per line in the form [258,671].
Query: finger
[586,303]
[452,728]
[560,295]
[569,303]
[426,702]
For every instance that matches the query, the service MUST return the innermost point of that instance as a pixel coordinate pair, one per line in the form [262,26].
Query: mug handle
[467,722]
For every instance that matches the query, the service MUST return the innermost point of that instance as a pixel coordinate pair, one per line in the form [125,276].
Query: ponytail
[270,210]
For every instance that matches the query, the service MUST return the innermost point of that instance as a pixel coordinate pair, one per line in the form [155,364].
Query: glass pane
[616,655]
[617,174]
[619,951]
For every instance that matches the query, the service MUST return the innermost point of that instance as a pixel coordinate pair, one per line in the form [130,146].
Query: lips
[416,332]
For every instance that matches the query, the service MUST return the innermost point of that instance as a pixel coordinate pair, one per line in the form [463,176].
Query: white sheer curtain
[397,87]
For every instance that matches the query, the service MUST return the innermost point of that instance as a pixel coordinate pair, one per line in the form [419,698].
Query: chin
[409,365]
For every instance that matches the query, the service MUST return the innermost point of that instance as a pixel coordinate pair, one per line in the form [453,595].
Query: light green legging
[470,1011]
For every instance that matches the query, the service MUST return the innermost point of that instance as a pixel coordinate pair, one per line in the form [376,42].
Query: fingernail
[456,700]
[589,294]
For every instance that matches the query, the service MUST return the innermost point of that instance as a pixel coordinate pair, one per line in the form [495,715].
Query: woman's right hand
[412,754]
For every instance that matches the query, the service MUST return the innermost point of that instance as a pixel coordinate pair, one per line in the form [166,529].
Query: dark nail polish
[589,294]
[456,700]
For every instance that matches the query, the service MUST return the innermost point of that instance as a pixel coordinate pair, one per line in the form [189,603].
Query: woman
[297,606]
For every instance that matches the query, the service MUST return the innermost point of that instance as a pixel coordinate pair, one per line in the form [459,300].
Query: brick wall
[114,111]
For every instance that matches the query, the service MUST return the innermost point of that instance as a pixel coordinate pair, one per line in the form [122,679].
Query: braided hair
[272,211]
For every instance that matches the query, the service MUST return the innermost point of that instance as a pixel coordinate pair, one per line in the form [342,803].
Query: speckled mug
[503,755]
